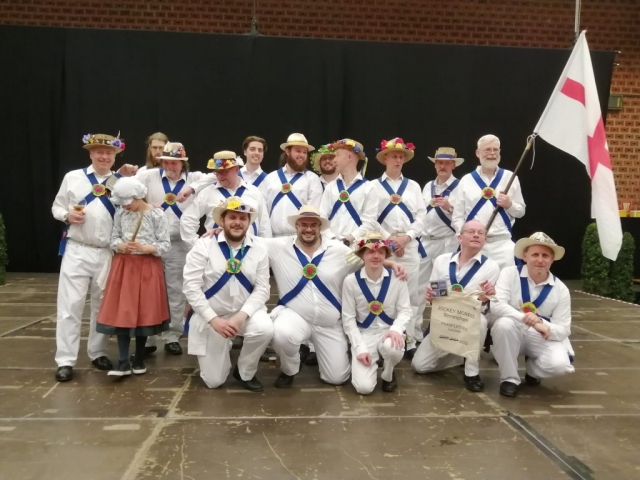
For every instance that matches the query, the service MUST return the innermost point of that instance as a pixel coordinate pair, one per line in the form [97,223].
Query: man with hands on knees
[375,312]
[226,282]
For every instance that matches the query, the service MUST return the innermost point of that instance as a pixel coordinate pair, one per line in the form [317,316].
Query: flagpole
[513,177]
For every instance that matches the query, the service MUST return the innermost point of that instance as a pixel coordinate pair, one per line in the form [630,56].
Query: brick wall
[612,25]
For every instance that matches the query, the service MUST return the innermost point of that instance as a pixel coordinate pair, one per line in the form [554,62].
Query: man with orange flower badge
[375,314]
[480,191]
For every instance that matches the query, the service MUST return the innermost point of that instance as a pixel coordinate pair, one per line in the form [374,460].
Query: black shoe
[390,386]
[138,367]
[311,359]
[102,363]
[64,374]
[380,362]
[508,389]
[304,353]
[488,341]
[123,370]
[410,353]
[148,351]
[173,348]
[529,380]
[474,383]
[284,380]
[252,385]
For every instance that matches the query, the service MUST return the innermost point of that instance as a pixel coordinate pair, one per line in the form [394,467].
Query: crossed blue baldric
[382,295]
[347,204]
[175,191]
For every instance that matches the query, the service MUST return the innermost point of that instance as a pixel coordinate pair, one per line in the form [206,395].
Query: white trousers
[431,359]
[215,364]
[173,262]
[411,262]
[547,358]
[363,378]
[79,272]
[291,330]
[500,251]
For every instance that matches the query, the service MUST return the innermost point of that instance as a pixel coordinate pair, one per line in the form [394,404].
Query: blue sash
[175,192]
[446,193]
[379,301]
[260,179]
[389,207]
[312,276]
[289,193]
[224,279]
[494,202]
[472,271]
[347,203]
[526,295]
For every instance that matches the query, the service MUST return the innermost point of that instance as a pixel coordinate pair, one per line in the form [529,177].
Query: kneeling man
[532,316]
[375,313]
[226,282]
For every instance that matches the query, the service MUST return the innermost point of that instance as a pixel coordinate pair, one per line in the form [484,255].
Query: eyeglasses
[305,226]
[490,150]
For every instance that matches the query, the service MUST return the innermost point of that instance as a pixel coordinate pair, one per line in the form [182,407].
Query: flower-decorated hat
[224,160]
[395,144]
[447,153]
[234,204]
[538,238]
[174,151]
[318,154]
[297,140]
[92,140]
[126,189]
[352,145]
[374,241]
[306,212]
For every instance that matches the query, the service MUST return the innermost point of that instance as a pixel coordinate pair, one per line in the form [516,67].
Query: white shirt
[343,224]
[210,197]
[467,194]
[557,306]
[251,177]
[310,303]
[355,307]
[308,191]
[397,221]
[434,227]
[96,229]
[152,179]
[488,271]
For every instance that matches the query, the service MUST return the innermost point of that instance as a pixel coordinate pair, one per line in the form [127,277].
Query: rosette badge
[94,140]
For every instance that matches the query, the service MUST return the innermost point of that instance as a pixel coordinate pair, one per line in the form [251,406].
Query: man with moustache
[322,162]
[83,205]
[532,316]
[466,270]
[289,188]
[155,147]
[226,281]
[480,191]
[226,166]
[401,211]
[254,149]
[163,185]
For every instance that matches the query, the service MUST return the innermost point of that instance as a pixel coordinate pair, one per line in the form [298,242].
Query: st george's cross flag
[573,123]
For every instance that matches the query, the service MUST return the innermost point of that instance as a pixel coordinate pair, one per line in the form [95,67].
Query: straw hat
[306,212]
[224,160]
[447,153]
[92,140]
[297,140]
[395,144]
[373,241]
[234,204]
[352,145]
[174,151]
[538,238]
[318,154]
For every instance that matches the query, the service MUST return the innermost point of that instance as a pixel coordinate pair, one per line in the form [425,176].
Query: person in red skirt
[135,298]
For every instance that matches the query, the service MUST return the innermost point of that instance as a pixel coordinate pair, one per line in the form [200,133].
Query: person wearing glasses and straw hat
[532,316]
[322,162]
[226,282]
[400,215]
[375,313]
[291,186]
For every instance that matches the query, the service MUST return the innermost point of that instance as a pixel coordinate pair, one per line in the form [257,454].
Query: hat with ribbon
[92,140]
[174,151]
[395,145]
[447,153]
[373,241]
[297,140]
[224,160]
[538,238]
[234,204]
[307,212]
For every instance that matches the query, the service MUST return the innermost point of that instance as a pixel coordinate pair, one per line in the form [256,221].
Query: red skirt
[135,296]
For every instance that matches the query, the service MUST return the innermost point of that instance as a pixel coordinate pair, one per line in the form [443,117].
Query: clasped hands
[229,327]
[532,320]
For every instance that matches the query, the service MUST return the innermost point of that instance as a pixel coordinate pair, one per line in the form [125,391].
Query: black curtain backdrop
[211,91]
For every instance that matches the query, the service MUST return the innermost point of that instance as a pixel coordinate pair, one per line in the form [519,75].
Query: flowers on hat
[318,154]
[375,244]
[237,206]
[396,143]
[224,163]
[101,139]
[175,150]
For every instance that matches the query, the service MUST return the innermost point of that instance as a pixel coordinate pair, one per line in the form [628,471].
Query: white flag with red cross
[573,123]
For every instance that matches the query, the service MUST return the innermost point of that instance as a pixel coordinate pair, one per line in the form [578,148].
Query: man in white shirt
[226,166]
[480,191]
[532,316]
[155,147]
[163,185]
[439,236]
[346,201]
[254,149]
[226,282]
[322,162]
[375,313]
[401,211]
[466,270]
[83,204]
[292,186]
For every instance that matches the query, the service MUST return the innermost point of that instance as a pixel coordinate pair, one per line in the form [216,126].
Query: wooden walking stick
[135,232]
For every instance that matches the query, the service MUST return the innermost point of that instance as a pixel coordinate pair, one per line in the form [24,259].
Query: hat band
[177,156]
[445,156]
[309,214]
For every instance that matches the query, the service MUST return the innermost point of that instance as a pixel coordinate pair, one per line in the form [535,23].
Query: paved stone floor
[167,425]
